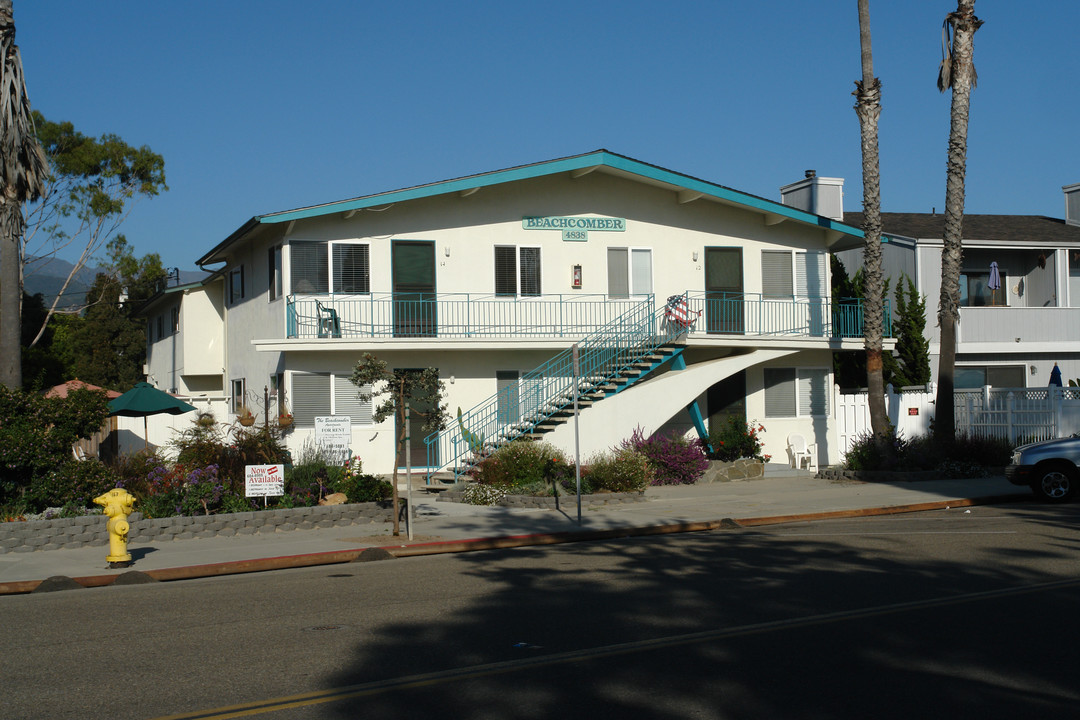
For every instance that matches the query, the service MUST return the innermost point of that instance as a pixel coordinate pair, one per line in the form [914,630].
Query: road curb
[334,557]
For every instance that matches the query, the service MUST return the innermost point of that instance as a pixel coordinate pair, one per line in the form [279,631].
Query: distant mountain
[47,276]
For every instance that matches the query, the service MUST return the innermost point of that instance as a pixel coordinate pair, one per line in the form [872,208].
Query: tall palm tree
[957,72]
[868,108]
[22,175]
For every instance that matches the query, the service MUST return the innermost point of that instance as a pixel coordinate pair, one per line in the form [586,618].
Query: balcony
[1023,325]
[477,316]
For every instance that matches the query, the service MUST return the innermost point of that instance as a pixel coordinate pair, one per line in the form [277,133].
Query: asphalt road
[957,613]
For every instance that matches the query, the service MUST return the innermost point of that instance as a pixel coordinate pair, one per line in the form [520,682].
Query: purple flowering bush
[674,459]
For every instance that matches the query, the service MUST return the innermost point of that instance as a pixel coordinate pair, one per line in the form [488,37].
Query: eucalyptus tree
[868,108]
[958,73]
[22,175]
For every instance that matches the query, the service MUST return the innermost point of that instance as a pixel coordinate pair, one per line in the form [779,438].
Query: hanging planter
[284,420]
[245,418]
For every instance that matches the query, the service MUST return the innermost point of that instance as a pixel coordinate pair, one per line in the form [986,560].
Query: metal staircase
[609,361]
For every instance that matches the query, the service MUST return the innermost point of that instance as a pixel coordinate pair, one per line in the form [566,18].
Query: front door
[724,290]
[413,264]
[418,417]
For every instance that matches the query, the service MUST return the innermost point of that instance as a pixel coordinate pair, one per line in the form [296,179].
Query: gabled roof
[1034,229]
[602,160]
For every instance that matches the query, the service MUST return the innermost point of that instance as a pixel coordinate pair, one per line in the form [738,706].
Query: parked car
[1050,468]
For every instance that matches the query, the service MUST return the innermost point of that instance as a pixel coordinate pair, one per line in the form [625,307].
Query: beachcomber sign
[574,229]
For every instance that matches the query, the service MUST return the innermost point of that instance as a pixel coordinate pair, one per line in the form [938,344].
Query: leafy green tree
[92,188]
[391,390]
[911,365]
[23,168]
[43,364]
[109,347]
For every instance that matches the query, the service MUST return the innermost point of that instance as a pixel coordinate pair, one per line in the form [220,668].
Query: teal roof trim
[551,167]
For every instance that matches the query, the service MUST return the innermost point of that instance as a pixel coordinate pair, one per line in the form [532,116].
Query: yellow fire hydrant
[118,504]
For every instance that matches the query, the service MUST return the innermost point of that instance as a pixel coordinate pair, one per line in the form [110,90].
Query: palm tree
[957,72]
[22,175]
[868,108]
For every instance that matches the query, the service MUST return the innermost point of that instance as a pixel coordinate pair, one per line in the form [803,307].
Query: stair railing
[548,390]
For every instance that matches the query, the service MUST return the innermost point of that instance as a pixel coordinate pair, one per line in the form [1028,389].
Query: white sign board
[264,480]
[333,435]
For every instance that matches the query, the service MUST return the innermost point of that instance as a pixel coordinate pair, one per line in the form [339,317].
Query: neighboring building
[489,277]
[1007,337]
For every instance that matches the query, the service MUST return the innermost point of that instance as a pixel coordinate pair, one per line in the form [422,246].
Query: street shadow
[727,624]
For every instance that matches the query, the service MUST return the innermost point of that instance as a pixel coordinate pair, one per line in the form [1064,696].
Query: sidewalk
[780,494]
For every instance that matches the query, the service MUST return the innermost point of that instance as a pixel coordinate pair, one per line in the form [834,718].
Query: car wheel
[1055,482]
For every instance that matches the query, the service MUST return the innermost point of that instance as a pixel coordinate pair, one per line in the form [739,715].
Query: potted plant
[284,419]
[244,416]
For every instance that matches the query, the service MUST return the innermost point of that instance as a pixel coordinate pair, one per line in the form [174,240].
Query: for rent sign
[264,480]
[333,435]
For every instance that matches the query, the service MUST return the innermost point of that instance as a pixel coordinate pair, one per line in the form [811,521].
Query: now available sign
[264,480]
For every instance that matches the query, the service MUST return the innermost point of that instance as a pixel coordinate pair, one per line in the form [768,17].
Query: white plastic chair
[800,450]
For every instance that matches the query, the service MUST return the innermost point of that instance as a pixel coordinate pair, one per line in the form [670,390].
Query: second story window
[175,324]
[273,267]
[316,264]
[517,271]
[236,285]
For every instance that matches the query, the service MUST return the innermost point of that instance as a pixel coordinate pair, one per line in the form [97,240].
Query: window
[975,289]
[777,275]
[1074,278]
[310,267]
[174,326]
[517,271]
[629,272]
[277,393]
[273,262]
[975,376]
[316,395]
[238,400]
[316,264]
[796,392]
[352,271]
[160,326]
[236,285]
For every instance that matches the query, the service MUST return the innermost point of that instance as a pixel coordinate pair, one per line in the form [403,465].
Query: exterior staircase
[611,360]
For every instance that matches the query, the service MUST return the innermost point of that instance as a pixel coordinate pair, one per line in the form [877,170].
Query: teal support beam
[679,363]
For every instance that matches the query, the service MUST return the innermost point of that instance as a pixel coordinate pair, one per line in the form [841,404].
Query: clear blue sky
[261,106]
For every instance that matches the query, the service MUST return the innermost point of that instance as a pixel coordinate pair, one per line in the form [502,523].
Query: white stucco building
[491,278]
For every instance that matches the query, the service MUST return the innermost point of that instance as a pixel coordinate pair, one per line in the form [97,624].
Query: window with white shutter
[352,269]
[517,271]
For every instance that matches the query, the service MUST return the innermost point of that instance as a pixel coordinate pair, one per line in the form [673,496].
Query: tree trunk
[868,108]
[961,78]
[10,292]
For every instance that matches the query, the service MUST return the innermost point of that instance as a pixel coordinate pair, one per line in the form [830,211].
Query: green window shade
[776,273]
[505,271]
[780,392]
[352,270]
[310,267]
[310,398]
[414,263]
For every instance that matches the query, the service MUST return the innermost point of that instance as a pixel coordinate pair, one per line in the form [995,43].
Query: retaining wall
[590,502]
[90,530]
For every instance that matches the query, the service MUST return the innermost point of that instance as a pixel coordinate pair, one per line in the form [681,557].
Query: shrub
[75,483]
[202,491]
[736,439]
[477,494]
[622,470]
[964,457]
[520,463]
[674,460]
[359,487]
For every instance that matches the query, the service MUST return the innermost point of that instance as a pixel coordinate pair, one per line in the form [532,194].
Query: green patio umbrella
[145,400]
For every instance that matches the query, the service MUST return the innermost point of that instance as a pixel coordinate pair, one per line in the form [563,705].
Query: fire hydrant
[118,503]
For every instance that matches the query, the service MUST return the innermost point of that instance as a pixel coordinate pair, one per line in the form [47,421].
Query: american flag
[678,311]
